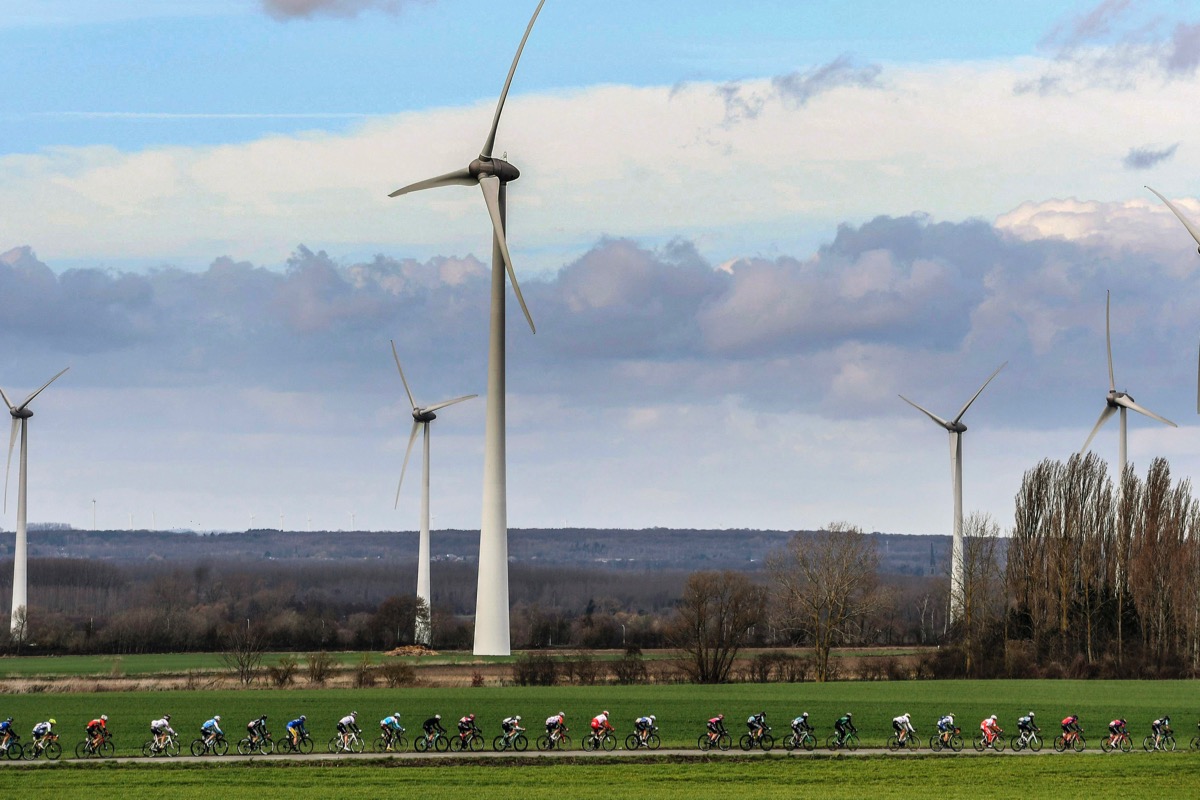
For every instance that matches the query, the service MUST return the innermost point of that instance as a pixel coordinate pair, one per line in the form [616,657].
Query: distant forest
[150,591]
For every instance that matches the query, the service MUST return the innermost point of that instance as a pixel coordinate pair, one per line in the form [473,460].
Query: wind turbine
[956,428]
[492,176]
[1195,232]
[422,416]
[1117,401]
[20,419]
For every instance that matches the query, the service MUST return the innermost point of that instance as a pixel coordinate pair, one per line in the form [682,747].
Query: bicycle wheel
[653,742]
[766,742]
[1106,745]
[543,743]
[148,749]
[789,742]
[245,747]
[81,750]
[1126,744]
[335,744]
[221,746]
[1079,744]
[832,742]
[399,744]
[564,742]
[725,742]
[520,743]
[1195,745]
[499,744]
[852,742]
[171,748]
[632,742]
[53,751]
[266,747]
[977,742]
[893,744]
[935,743]
[589,743]
[421,744]
[107,749]
[475,743]
[441,744]
[609,742]
[703,742]
[745,742]
[198,748]
[998,744]
[1034,743]
[15,751]
[1016,743]
[1060,744]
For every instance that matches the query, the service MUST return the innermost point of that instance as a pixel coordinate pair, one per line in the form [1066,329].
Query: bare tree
[983,589]
[827,584]
[716,613]
[244,652]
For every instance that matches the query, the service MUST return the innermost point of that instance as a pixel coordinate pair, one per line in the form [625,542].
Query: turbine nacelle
[498,167]
[421,415]
[21,413]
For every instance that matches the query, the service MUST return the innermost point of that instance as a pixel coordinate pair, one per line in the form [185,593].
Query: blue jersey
[296,723]
[211,725]
[5,726]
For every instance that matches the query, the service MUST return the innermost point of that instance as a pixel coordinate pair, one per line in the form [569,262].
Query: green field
[681,709]
[1050,776]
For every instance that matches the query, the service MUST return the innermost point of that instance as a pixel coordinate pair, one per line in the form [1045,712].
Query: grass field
[681,709]
[1031,778]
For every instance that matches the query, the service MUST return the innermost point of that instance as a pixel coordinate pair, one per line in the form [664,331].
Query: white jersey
[347,721]
[41,729]
[599,719]
[903,721]
[553,721]
[160,725]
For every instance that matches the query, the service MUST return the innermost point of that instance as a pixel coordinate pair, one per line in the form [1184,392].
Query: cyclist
[716,728]
[1116,729]
[945,727]
[211,730]
[1160,728]
[467,727]
[556,725]
[346,726]
[800,726]
[991,729]
[642,727]
[757,723]
[1070,727]
[601,726]
[904,727]
[41,731]
[391,729]
[510,726]
[1026,725]
[160,729]
[295,730]
[257,728]
[96,730]
[844,725]
[431,726]
[6,734]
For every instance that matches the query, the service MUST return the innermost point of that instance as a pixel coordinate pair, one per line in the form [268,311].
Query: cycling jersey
[212,727]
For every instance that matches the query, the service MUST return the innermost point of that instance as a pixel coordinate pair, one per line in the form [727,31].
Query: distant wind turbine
[1117,401]
[20,419]
[492,176]
[1195,232]
[422,416]
[956,429]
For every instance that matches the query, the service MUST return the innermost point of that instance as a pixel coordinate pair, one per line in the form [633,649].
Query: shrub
[630,669]
[397,674]
[535,669]
[284,672]
[364,673]
[320,667]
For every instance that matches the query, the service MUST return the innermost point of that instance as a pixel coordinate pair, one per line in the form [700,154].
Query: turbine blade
[412,437]
[29,399]
[7,402]
[1192,229]
[411,402]
[1112,383]
[1104,415]
[460,177]
[981,388]
[12,439]
[445,403]
[490,185]
[1132,406]
[929,414]
[491,138]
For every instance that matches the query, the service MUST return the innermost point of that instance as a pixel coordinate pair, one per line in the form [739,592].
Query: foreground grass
[1030,778]
[681,709]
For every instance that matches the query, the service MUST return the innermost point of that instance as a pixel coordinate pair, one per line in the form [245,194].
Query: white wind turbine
[956,428]
[1117,401]
[422,416]
[492,175]
[20,419]
[1195,232]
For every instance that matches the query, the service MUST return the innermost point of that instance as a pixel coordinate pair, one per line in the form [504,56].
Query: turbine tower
[1117,401]
[422,416]
[1195,232]
[956,428]
[18,624]
[492,176]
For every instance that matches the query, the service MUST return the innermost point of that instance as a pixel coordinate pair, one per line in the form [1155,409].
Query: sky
[741,229]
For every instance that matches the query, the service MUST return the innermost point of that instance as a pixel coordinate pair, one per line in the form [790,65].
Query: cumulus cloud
[303,9]
[746,100]
[1147,157]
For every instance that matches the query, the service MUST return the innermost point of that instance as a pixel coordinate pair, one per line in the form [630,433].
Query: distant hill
[616,549]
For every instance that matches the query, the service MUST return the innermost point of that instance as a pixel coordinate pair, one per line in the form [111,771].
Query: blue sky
[742,229]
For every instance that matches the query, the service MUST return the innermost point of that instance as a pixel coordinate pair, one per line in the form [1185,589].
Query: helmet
[951,716]
[263,717]
[804,715]
[605,713]
[1031,714]
[354,713]
[217,718]
[848,714]
[303,718]
[562,714]
[53,721]
[396,715]
[8,720]
[104,717]
[167,717]
[720,716]
[993,718]
[653,718]
[470,716]
[437,716]
[517,717]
